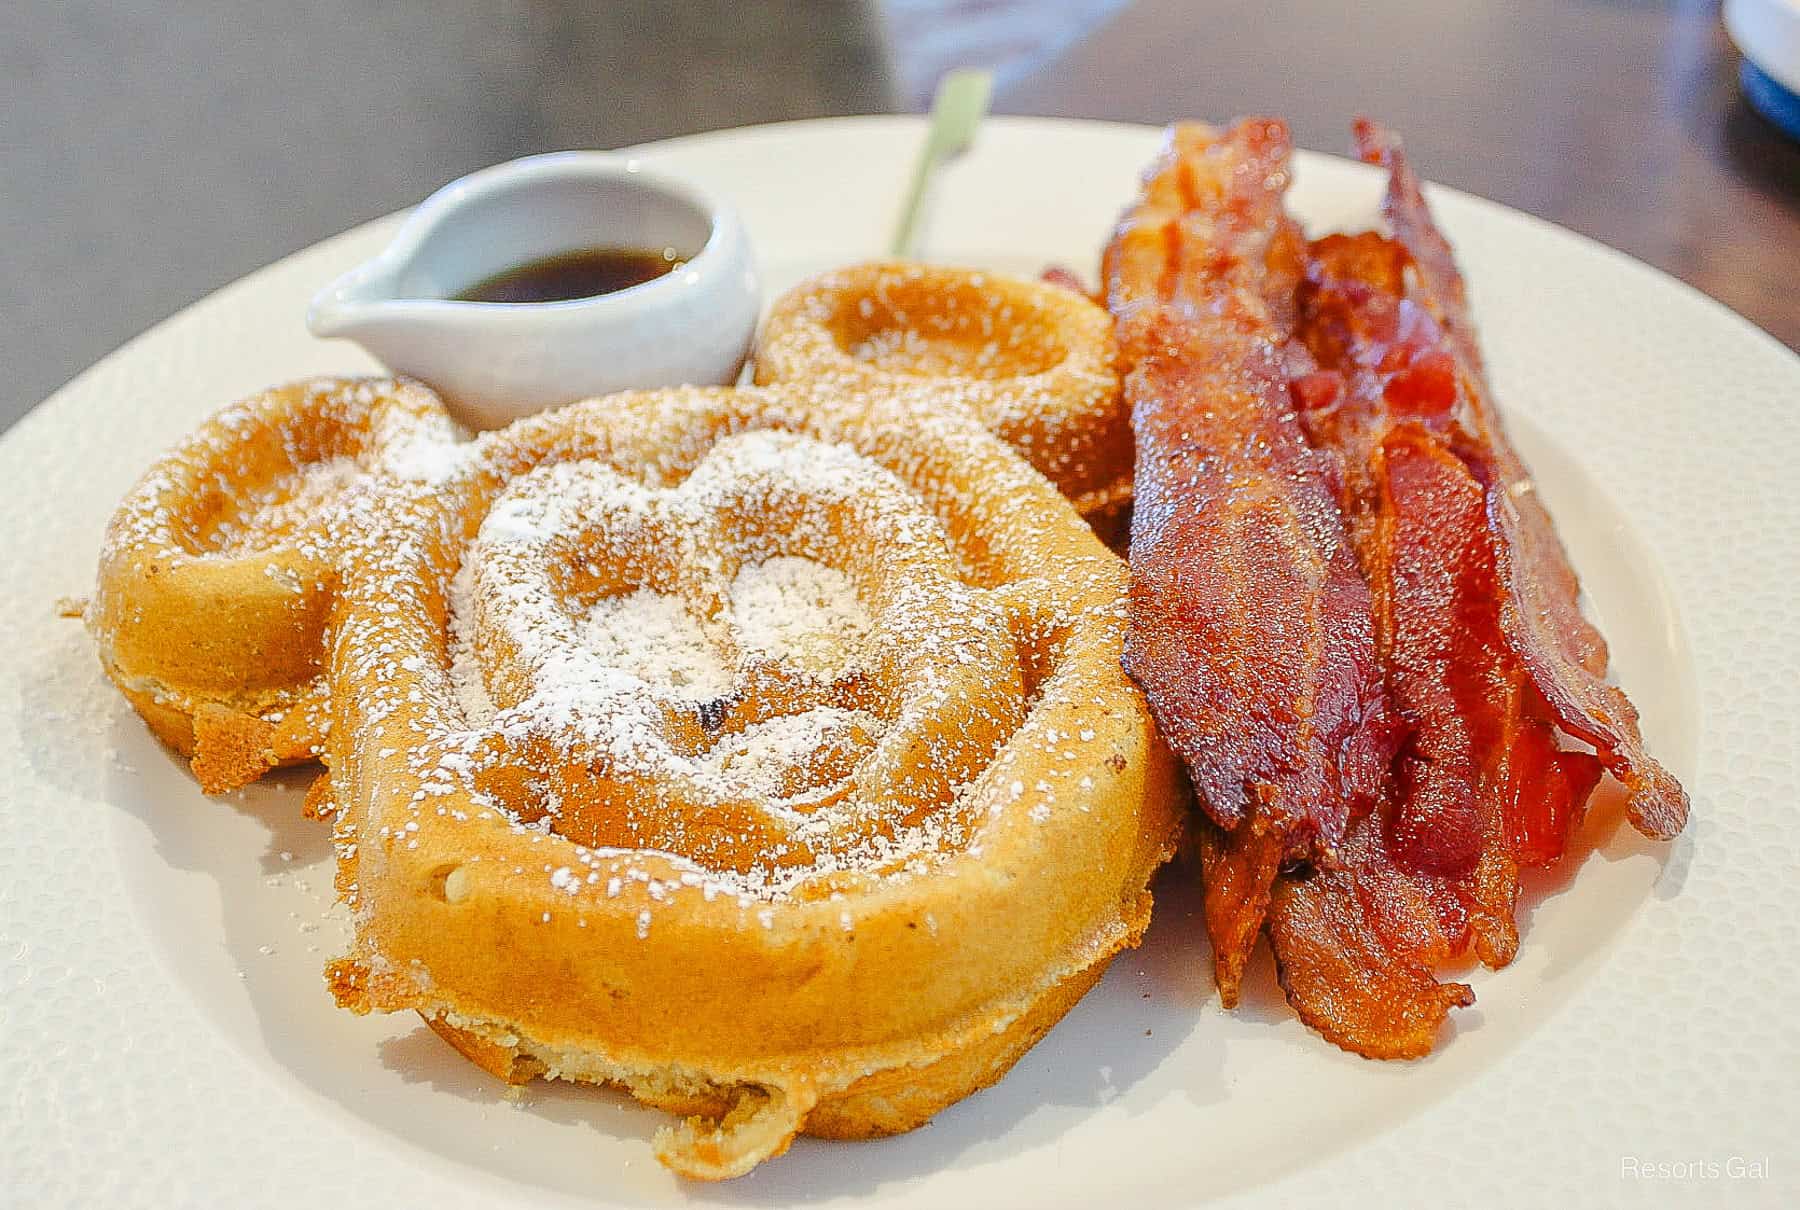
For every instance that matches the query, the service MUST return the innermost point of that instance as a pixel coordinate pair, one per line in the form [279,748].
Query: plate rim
[42,413]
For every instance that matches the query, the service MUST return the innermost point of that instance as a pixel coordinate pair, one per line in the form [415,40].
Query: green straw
[957,109]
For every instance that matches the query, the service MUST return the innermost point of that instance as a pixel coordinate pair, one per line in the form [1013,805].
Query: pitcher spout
[352,305]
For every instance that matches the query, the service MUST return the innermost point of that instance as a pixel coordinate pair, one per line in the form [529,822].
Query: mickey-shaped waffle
[764,753]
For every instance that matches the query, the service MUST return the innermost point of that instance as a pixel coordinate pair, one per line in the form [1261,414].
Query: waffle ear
[218,573]
[1032,362]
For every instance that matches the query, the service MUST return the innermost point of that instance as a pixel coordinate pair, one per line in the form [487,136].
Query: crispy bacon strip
[1478,626]
[1355,948]
[1482,786]
[1481,789]
[1485,789]
[1541,616]
[1251,633]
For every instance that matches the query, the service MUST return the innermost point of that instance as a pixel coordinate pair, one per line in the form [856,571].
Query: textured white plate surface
[166,1038]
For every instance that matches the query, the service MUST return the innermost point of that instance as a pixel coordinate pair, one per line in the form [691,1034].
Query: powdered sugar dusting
[653,637]
[788,691]
[468,681]
[799,610]
[789,754]
[286,505]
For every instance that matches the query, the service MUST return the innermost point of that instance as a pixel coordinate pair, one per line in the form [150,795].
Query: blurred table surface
[1621,119]
[152,152]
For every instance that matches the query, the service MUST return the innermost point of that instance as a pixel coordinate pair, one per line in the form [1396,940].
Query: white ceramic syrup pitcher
[495,362]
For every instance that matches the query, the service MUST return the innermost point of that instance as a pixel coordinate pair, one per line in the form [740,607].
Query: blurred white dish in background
[1768,32]
[495,362]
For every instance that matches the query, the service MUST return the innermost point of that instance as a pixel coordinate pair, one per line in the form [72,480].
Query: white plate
[166,1038]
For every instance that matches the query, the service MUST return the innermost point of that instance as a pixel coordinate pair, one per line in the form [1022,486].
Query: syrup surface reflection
[583,273]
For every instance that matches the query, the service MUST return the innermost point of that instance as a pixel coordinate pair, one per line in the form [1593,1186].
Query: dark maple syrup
[583,273]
